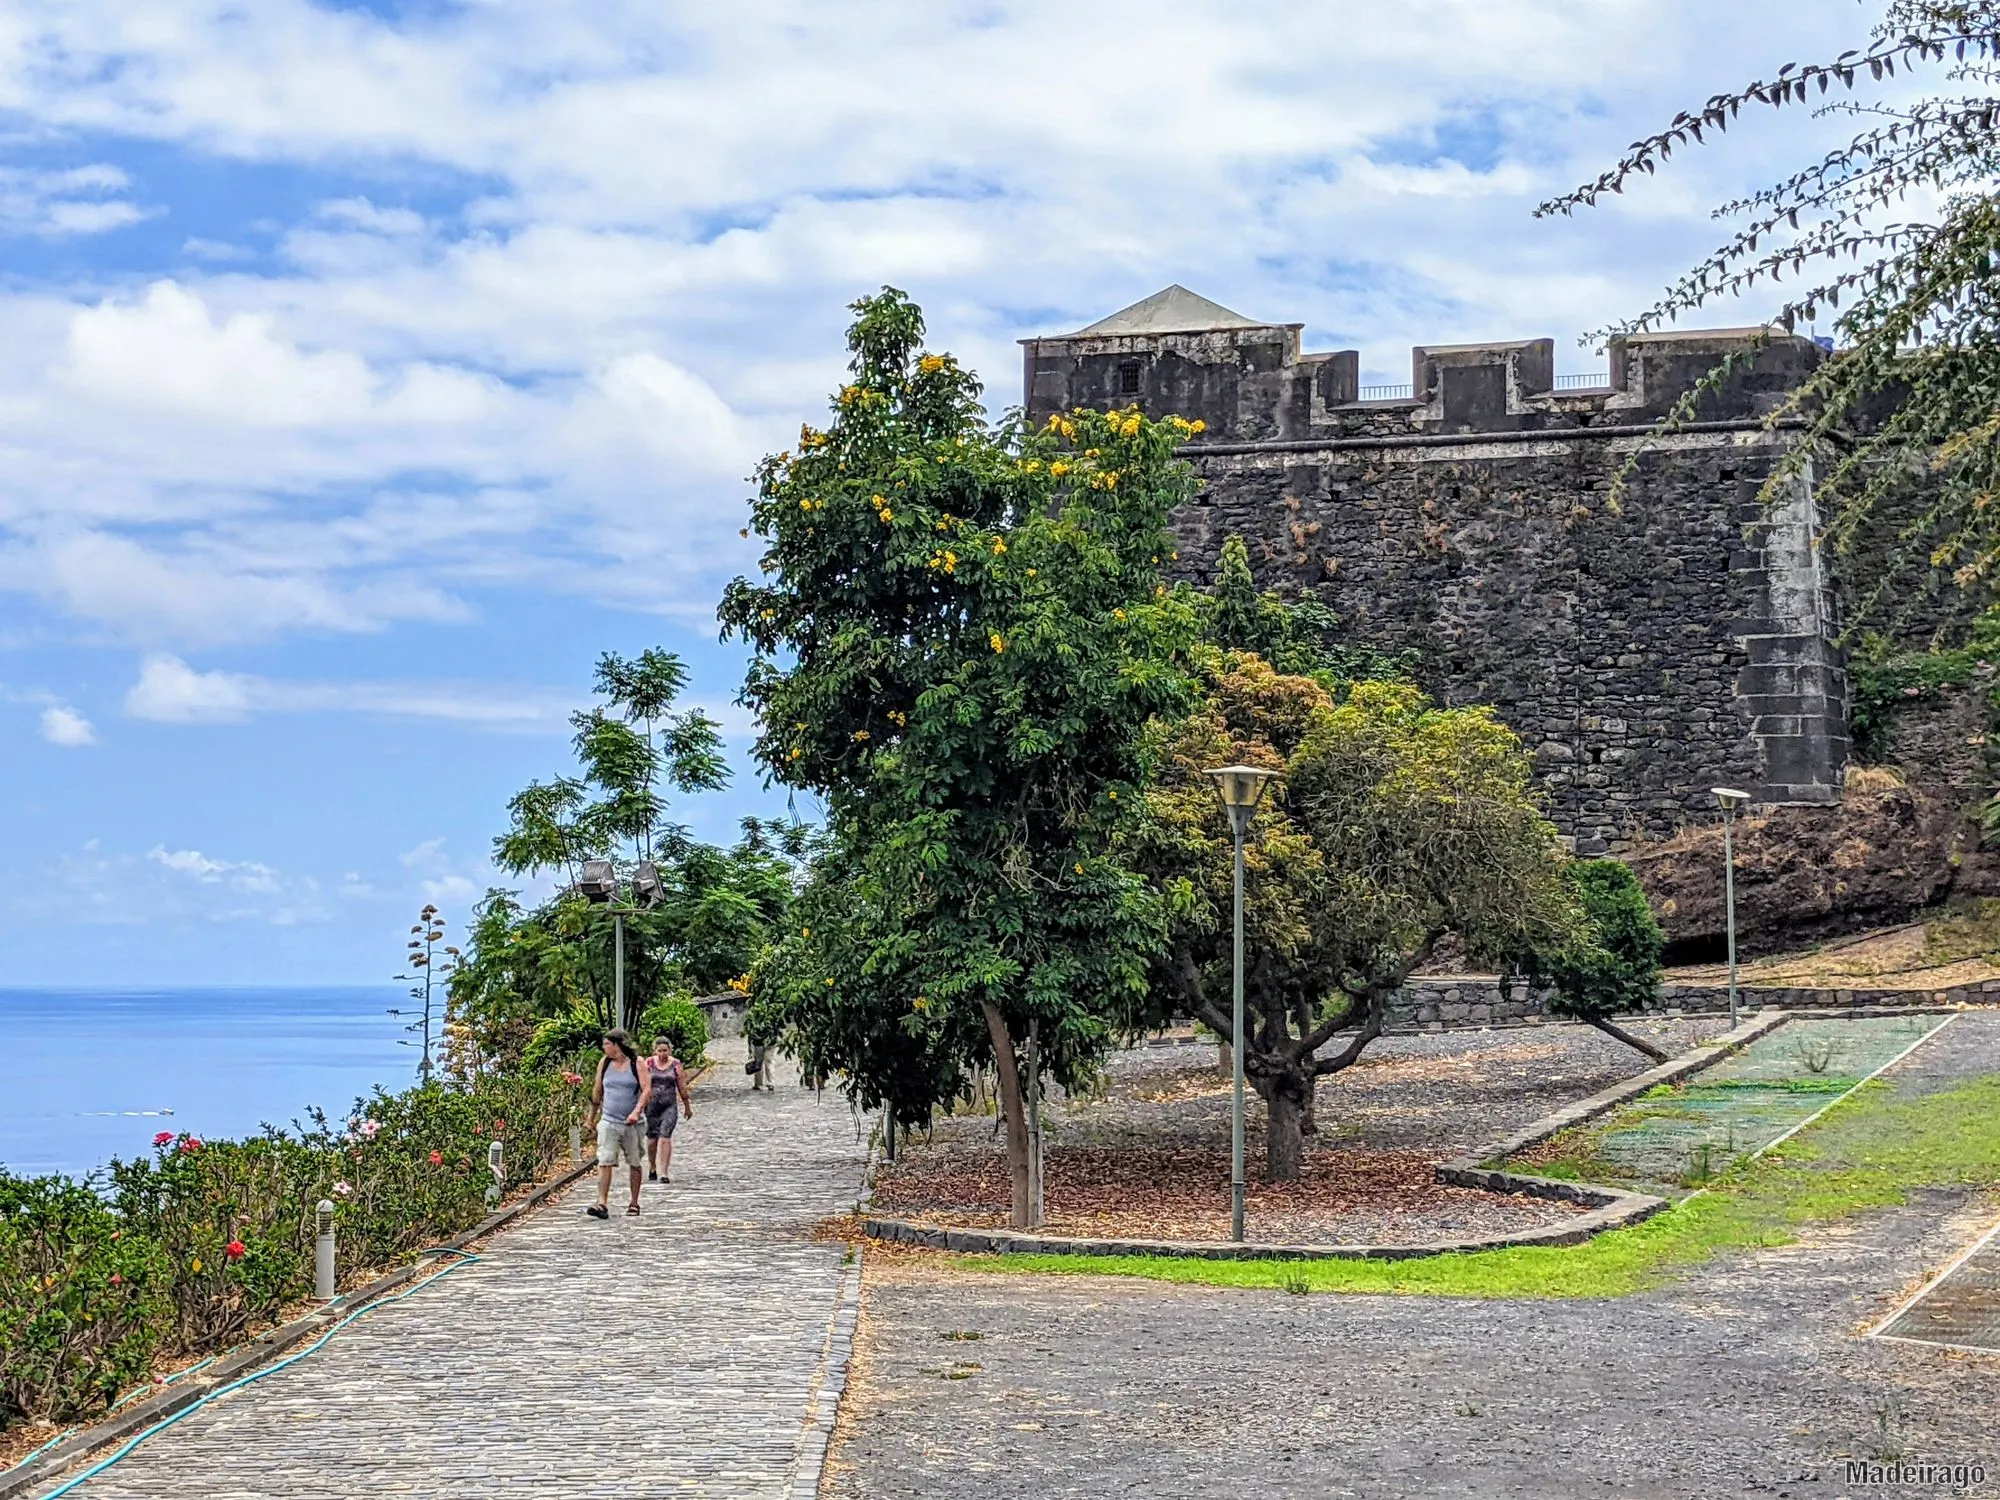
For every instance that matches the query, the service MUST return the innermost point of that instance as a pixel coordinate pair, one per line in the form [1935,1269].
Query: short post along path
[681,1352]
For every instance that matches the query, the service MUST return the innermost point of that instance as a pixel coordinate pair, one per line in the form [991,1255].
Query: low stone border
[260,1350]
[1607,1207]
[823,1405]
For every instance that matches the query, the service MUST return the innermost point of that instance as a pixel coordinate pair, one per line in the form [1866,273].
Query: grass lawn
[1866,1152]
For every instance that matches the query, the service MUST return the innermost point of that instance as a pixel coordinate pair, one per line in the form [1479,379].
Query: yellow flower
[1090,453]
[1032,466]
[829,984]
[877,501]
[930,364]
[805,932]
[1175,556]
[848,393]
[1058,469]
[796,753]
[888,515]
[950,560]
[920,1003]
[1112,795]
[1129,427]
[997,641]
[861,736]
[768,614]
[195,1264]
[1079,869]
[1197,426]
[1031,572]
[999,546]
[898,719]
[1117,614]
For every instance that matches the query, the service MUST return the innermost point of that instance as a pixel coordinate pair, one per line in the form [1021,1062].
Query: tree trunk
[1309,1116]
[1638,1043]
[1008,1079]
[1225,1066]
[1284,1145]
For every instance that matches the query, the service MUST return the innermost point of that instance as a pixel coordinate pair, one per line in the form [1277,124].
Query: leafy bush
[1617,966]
[83,1302]
[194,1245]
[566,1041]
[683,1022]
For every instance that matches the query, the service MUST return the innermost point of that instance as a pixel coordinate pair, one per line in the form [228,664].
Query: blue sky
[366,370]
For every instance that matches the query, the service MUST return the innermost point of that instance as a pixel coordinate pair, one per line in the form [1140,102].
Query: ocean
[87,1075]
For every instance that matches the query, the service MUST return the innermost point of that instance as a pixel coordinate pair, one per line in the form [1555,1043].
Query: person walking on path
[620,1094]
[667,1099]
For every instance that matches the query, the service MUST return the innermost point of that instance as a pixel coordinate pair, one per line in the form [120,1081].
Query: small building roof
[1173,310]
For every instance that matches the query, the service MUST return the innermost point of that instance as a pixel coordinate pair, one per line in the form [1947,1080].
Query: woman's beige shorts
[614,1136]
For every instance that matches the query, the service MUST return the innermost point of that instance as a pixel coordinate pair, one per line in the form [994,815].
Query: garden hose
[465,1257]
[130,1396]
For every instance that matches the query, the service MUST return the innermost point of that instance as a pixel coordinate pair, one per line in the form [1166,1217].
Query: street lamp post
[1242,789]
[1730,799]
[598,885]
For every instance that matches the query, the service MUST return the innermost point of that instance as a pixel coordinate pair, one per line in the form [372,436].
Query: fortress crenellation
[1645,651]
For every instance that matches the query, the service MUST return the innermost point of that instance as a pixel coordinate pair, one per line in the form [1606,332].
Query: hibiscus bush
[184,1251]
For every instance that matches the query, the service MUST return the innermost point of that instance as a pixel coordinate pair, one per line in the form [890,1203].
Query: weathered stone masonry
[1647,650]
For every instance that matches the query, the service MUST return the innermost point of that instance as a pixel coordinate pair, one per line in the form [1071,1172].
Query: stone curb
[1609,1207]
[260,1350]
[823,1410]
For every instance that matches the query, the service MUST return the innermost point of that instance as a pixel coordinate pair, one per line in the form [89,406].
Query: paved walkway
[676,1353]
[1746,1377]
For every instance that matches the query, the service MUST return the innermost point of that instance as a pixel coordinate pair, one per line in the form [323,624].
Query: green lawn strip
[1865,1153]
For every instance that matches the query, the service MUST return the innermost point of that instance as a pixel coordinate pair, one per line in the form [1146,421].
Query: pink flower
[569,1077]
[163,1137]
[234,1249]
[437,1158]
[498,1126]
[190,1145]
[116,1279]
[341,1190]
[369,1127]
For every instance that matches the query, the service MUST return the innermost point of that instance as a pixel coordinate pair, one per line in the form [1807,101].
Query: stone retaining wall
[1455,1002]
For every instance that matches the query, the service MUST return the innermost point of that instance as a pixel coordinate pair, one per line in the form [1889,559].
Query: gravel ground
[1747,1379]
[1149,1156]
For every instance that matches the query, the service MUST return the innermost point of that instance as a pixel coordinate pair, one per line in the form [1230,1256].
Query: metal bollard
[576,1145]
[494,1160]
[323,1278]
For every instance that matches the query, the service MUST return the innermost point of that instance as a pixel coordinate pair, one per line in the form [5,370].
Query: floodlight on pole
[1730,800]
[598,884]
[1242,789]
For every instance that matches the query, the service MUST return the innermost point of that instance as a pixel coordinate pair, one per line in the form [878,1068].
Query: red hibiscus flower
[190,1145]
[234,1249]
[163,1137]
[437,1158]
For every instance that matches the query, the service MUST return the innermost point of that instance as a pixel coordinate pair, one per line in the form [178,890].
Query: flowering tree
[960,636]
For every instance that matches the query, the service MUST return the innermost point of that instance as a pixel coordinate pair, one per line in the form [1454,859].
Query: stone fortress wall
[1646,650]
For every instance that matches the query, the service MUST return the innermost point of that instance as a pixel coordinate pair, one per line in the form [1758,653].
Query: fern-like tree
[1896,238]
[1609,966]
[960,638]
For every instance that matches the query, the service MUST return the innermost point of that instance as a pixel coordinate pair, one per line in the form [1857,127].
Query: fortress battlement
[1251,382]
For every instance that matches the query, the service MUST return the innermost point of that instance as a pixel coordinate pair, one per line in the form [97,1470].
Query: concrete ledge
[259,1350]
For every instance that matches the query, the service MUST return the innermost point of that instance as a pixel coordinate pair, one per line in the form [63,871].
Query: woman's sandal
[632,1211]
[598,1211]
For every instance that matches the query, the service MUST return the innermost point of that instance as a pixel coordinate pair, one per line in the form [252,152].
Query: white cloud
[561,309]
[247,875]
[55,205]
[169,691]
[62,725]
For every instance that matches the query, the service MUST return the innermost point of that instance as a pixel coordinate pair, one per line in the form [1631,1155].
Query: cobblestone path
[676,1353]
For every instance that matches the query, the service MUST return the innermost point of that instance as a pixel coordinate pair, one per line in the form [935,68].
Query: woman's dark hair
[623,1043]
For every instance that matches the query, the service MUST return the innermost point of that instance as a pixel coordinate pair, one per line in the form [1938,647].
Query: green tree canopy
[1397,823]
[960,637]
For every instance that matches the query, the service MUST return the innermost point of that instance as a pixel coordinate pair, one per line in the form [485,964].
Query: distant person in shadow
[620,1095]
[666,1101]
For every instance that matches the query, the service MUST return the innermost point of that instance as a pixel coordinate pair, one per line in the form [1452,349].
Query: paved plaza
[682,1352]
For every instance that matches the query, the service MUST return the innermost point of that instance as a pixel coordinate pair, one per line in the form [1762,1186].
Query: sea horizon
[92,1072]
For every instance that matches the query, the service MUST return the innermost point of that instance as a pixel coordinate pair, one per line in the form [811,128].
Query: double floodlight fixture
[647,887]
[599,881]
[1729,799]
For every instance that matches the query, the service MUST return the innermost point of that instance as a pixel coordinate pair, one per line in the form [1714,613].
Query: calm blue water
[86,1075]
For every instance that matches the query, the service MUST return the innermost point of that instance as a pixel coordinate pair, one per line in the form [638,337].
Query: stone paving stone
[675,1353]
